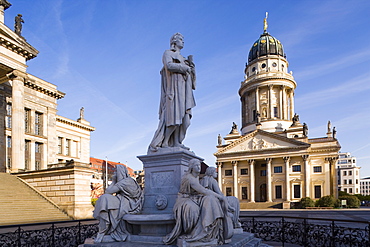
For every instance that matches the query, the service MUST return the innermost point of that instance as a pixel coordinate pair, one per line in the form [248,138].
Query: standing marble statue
[200,214]
[123,196]
[177,99]
[209,182]
[18,24]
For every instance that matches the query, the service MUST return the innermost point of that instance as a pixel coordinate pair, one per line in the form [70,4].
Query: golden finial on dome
[265,23]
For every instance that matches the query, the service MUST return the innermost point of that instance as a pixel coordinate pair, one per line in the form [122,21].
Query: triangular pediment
[260,140]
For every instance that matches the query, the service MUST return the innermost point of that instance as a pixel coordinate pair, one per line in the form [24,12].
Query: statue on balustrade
[201,214]
[177,99]
[123,196]
[209,182]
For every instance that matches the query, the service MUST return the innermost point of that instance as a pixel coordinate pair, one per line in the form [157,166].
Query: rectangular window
[297,191]
[263,173]
[68,147]
[278,169]
[38,147]
[275,111]
[350,173]
[38,123]
[244,171]
[345,181]
[350,181]
[345,190]
[254,116]
[8,141]
[244,193]
[317,191]
[38,155]
[356,181]
[296,168]
[344,173]
[27,114]
[228,172]
[228,191]
[317,169]
[8,118]
[27,154]
[60,145]
[350,190]
[278,192]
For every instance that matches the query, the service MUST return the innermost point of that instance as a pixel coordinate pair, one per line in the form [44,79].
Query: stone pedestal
[163,172]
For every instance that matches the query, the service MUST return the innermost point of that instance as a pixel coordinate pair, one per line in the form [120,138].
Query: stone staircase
[22,204]
[261,205]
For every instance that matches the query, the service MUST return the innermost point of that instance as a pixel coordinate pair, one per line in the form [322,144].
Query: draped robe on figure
[177,97]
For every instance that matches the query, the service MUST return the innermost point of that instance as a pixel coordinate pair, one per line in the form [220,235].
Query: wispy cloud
[321,97]
[337,63]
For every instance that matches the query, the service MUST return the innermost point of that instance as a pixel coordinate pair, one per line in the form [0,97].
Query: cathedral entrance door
[263,193]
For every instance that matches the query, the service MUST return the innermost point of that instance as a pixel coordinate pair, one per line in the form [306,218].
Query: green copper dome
[266,45]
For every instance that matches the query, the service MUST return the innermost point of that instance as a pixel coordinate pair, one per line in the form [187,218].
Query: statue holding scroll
[177,99]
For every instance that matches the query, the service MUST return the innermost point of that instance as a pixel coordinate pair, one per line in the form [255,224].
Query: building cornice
[55,94]
[14,43]
[70,122]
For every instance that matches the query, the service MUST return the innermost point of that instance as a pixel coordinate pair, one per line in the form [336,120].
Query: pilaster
[235,178]
[287,179]
[268,179]
[307,175]
[252,180]
[219,175]
[18,160]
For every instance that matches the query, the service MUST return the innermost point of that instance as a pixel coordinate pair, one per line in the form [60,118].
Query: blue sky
[106,56]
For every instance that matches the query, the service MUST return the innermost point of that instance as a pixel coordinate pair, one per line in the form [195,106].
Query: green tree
[352,201]
[326,201]
[306,202]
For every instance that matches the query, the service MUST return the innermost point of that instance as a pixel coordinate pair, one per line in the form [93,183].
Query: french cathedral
[272,159]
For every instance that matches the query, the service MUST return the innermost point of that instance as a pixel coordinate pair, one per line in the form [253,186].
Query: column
[281,102]
[271,110]
[287,182]
[307,175]
[257,100]
[251,180]
[18,160]
[235,178]
[32,156]
[268,180]
[285,104]
[219,174]
[291,103]
[333,176]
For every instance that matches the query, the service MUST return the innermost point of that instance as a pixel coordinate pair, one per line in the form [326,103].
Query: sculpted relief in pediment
[259,142]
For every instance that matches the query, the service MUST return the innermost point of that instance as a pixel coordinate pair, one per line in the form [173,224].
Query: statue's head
[121,172]
[177,40]
[194,166]
[211,171]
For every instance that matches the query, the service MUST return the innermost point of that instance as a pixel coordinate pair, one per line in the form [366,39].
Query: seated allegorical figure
[123,196]
[200,213]
[209,182]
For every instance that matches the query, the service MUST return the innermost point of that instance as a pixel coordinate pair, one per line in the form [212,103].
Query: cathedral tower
[267,93]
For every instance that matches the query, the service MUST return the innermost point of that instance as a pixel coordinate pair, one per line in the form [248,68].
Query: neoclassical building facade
[272,159]
[33,136]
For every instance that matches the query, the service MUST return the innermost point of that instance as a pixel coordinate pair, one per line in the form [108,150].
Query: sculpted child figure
[200,213]
[123,196]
